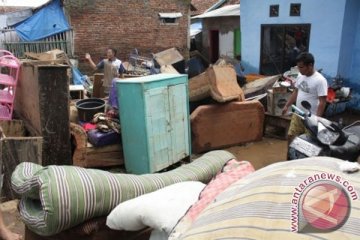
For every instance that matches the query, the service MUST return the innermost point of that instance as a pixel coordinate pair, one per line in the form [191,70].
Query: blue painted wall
[353,79]
[334,36]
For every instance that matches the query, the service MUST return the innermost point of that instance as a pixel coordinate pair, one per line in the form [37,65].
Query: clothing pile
[103,130]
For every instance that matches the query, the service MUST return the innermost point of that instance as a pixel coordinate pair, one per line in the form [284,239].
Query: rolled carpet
[55,198]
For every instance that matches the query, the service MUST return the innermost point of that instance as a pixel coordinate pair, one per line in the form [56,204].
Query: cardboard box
[276,101]
[277,88]
[55,54]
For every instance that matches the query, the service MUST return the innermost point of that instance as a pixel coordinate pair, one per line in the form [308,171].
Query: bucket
[87,108]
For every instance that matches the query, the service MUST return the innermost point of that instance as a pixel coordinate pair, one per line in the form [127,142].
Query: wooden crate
[279,122]
[15,148]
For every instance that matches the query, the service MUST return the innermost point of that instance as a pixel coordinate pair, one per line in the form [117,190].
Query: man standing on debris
[112,66]
[311,86]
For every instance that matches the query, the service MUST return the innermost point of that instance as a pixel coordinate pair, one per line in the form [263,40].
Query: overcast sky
[31,3]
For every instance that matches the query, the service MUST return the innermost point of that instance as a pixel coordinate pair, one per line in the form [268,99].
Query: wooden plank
[45,105]
[199,87]
[29,128]
[101,158]
[13,128]
[54,114]
[26,98]
[168,57]
[15,150]
[97,85]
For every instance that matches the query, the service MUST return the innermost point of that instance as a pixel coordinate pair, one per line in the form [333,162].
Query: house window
[280,45]
[170,18]
[295,9]
[274,11]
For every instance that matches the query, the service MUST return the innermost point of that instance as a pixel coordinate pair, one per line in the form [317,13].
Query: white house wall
[224,25]
[226,44]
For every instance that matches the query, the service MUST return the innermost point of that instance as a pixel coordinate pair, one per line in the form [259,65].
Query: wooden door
[158,127]
[179,122]
[167,125]
[214,45]
[237,42]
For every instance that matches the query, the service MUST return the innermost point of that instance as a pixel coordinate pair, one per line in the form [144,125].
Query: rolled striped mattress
[55,198]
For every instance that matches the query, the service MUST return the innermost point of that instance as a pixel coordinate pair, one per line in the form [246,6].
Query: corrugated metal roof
[230,10]
[194,32]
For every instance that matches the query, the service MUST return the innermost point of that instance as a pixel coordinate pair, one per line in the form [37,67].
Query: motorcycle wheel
[293,154]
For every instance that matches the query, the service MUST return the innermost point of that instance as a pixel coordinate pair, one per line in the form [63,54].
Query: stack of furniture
[9,75]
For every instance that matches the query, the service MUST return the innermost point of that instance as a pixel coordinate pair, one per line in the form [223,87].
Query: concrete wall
[352,52]
[226,44]
[126,25]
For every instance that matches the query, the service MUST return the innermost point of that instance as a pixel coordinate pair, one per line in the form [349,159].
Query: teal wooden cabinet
[154,116]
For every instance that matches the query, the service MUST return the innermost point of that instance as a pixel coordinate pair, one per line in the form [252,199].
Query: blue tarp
[46,22]
[78,78]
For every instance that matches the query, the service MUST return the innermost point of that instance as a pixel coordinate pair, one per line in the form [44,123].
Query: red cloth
[88,126]
[233,171]
[331,95]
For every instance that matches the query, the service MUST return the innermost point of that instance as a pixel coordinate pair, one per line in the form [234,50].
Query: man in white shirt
[111,65]
[310,86]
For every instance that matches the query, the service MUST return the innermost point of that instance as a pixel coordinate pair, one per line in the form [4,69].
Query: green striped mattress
[287,200]
[55,198]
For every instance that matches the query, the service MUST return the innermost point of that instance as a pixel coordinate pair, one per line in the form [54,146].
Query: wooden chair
[86,155]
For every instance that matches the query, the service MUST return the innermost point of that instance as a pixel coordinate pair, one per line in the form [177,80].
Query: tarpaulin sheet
[46,22]
[78,77]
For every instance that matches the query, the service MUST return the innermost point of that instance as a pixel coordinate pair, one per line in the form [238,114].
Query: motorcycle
[324,137]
